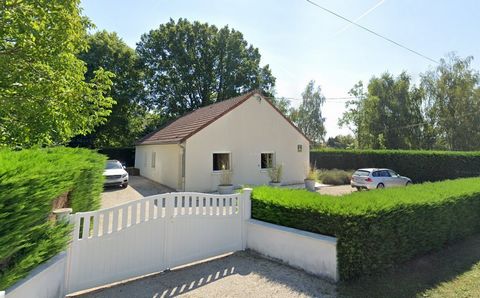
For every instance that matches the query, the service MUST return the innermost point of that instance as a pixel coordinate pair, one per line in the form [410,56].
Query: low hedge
[378,229]
[30,182]
[420,166]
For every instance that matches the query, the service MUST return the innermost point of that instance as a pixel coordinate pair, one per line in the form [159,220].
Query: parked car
[377,178]
[115,174]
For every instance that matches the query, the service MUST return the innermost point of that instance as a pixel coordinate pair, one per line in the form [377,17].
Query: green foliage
[310,119]
[377,230]
[128,119]
[334,176]
[420,166]
[275,173]
[30,180]
[190,65]
[438,114]
[44,98]
[341,142]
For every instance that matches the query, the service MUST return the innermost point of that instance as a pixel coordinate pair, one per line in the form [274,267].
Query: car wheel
[124,185]
[408,183]
[358,188]
[380,185]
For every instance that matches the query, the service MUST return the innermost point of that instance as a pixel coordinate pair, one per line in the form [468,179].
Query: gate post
[246,213]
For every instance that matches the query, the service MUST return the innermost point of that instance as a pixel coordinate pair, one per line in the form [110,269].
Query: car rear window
[361,173]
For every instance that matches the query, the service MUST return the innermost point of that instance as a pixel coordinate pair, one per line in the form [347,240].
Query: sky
[301,42]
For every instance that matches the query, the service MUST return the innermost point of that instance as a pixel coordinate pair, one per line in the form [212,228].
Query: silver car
[372,178]
[115,174]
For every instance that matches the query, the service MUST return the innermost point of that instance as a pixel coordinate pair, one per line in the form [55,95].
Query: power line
[372,32]
[326,98]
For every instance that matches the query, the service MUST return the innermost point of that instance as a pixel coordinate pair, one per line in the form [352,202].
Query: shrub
[420,166]
[335,176]
[30,181]
[378,229]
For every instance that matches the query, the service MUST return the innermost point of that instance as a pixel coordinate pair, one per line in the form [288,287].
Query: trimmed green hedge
[378,229]
[420,166]
[30,181]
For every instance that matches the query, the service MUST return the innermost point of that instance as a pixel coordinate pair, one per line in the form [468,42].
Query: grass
[451,272]
[334,177]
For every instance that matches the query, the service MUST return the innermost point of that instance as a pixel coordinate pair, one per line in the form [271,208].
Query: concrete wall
[311,252]
[245,132]
[45,281]
[167,164]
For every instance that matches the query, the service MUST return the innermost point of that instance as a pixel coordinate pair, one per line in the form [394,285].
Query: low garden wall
[32,183]
[377,230]
[420,166]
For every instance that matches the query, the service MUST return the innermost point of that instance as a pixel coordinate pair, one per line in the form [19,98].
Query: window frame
[153,160]
[273,160]
[229,161]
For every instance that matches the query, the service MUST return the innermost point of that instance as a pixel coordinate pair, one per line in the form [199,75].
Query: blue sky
[301,42]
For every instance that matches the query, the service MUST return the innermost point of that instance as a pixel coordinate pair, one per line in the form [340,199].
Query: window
[384,173]
[221,161]
[154,157]
[363,173]
[299,148]
[392,173]
[266,160]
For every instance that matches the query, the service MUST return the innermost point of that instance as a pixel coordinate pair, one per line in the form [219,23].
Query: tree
[127,121]
[310,119]
[190,65]
[452,100]
[44,98]
[388,115]
[341,142]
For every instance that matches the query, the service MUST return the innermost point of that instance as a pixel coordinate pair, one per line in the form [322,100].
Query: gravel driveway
[238,275]
[138,188]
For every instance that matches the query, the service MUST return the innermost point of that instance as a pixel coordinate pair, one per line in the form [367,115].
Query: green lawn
[451,272]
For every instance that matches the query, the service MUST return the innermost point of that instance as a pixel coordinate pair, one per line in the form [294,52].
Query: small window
[266,160]
[299,148]
[221,161]
[154,157]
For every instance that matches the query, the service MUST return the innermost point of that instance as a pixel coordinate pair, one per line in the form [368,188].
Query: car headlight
[124,175]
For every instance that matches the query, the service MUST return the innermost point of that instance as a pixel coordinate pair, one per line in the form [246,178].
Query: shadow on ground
[417,276]
[238,275]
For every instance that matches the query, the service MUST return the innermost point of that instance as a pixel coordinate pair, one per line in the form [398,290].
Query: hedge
[30,181]
[420,166]
[378,229]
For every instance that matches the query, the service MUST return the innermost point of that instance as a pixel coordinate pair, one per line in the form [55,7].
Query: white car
[372,178]
[115,174]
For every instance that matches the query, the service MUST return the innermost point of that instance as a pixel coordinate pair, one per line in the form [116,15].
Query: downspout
[184,151]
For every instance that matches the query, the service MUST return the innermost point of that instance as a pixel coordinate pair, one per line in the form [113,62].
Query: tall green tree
[44,97]
[452,100]
[128,118]
[309,117]
[387,115]
[190,65]
[341,142]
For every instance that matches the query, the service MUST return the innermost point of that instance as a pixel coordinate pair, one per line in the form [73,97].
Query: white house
[244,135]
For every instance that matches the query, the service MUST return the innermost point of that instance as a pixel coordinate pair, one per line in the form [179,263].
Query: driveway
[238,275]
[339,190]
[138,187]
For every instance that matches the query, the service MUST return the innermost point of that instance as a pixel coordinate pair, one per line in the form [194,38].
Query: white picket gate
[151,235]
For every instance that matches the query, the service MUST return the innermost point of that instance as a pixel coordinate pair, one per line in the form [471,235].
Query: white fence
[151,235]
[165,231]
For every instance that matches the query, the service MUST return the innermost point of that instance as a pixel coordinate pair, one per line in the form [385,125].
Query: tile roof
[187,125]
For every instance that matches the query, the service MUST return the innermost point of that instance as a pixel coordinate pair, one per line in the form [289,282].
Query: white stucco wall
[246,131]
[167,164]
[311,252]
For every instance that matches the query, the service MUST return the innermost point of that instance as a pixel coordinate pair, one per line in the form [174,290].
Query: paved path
[336,190]
[138,188]
[238,275]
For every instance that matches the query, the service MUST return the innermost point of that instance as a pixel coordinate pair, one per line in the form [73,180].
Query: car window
[384,173]
[361,173]
[113,165]
[376,174]
[392,173]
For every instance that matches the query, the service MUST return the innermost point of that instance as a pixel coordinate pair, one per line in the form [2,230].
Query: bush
[378,229]
[335,176]
[30,182]
[420,166]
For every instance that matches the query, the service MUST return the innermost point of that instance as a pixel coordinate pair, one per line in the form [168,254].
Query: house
[245,135]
